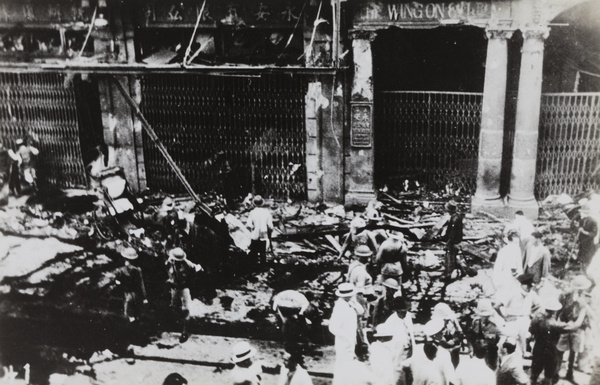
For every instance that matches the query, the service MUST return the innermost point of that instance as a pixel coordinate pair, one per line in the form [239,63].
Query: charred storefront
[310,99]
[450,94]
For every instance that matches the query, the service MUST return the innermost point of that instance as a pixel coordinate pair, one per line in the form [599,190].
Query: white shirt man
[343,324]
[509,263]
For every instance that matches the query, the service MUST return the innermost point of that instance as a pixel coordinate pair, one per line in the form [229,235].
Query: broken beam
[163,150]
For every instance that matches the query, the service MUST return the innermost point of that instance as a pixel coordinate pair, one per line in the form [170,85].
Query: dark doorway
[429,85]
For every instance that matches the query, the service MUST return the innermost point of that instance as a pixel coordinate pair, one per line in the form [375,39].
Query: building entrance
[428,93]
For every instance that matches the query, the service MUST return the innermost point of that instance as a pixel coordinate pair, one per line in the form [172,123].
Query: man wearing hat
[516,306]
[361,279]
[487,328]
[381,356]
[510,371]
[390,261]
[574,310]
[431,364]
[537,259]
[586,235]
[358,235]
[383,307]
[130,279]
[453,236]
[260,223]
[246,371]
[343,324]
[546,330]
[181,272]
[401,323]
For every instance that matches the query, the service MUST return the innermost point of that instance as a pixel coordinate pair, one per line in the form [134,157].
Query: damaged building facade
[311,99]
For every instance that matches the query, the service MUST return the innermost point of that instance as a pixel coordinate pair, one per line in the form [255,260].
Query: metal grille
[43,104]
[569,144]
[432,137]
[256,124]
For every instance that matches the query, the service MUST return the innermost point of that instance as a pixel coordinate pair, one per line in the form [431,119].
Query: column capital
[361,34]
[496,33]
[539,33]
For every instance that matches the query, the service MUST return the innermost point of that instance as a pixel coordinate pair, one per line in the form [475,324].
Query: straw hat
[258,201]
[242,351]
[442,311]
[581,282]
[383,330]
[391,283]
[433,327]
[363,251]
[177,253]
[551,304]
[345,289]
[129,253]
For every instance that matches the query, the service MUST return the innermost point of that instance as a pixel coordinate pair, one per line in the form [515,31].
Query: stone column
[360,186]
[527,123]
[487,196]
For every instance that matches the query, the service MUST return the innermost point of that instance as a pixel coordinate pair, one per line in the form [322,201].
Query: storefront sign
[41,11]
[396,11]
[360,128]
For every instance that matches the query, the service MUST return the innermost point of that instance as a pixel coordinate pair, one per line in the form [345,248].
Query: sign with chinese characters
[360,125]
[44,12]
[235,13]
[398,11]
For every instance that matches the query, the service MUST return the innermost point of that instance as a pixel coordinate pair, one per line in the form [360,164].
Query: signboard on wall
[360,125]
[404,12]
[235,13]
[44,11]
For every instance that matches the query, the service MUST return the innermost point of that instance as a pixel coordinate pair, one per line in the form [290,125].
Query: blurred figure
[27,162]
[246,371]
[400,322]
[260,223]
[574,310]
[7,157]
[474,370]
[181,274]
[487,329]
[343,324]
[175,379]
[295,314]
[451,335]
[130,279]
[537,259]
[509,262]
[383,307]
[511,370]
[586,234]
[357,236]
[390,261]
[546,330]
[292,372]
[516,307]
[453,237]
[524,228]
[361,279]
[381,356]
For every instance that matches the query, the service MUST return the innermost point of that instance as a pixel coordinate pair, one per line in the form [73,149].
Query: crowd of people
[522,318]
